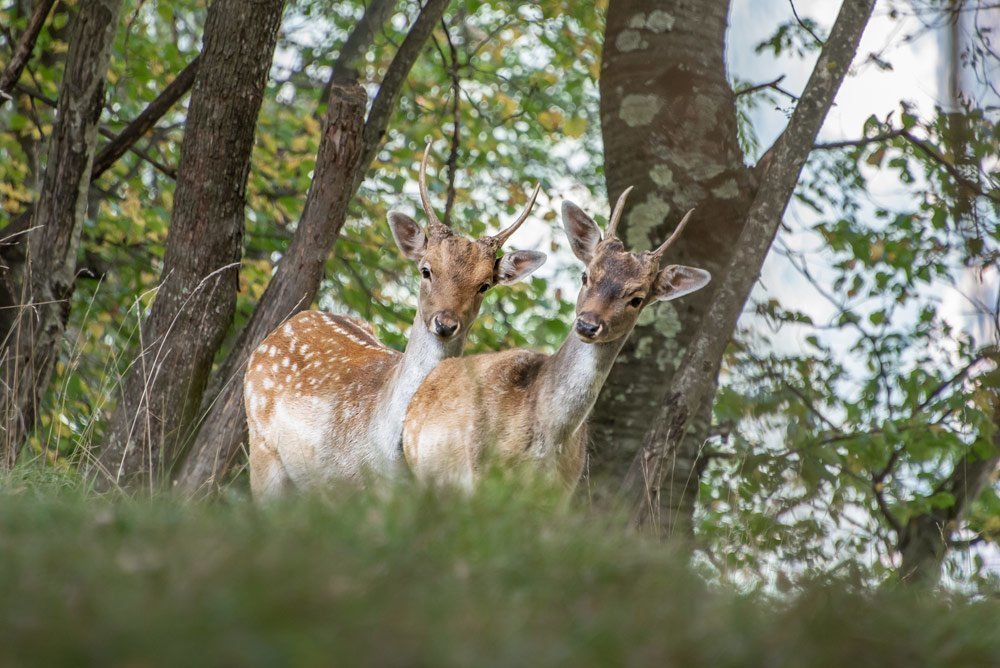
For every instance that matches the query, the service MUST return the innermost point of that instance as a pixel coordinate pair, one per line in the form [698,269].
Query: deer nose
[587,329]
[445,325]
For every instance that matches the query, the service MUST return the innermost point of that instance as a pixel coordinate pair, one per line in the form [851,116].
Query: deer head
[618,284]
[457,272]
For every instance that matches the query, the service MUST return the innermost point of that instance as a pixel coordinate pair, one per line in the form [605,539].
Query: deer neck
[569,384]
[422,354]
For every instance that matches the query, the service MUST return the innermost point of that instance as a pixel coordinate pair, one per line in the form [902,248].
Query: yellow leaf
[575,127]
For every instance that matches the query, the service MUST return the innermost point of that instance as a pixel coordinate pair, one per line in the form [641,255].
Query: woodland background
[836,415]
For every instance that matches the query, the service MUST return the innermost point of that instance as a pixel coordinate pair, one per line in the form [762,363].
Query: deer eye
[484,287]
[425,272]
[583,278]
[635,302]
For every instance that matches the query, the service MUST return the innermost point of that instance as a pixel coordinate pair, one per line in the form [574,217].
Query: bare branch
[774,84]
[803,25]
[22,52]
[142,123]
[392,83]
[357,43]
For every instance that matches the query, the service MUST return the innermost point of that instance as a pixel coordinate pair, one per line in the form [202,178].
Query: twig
[773,85]
[804,26]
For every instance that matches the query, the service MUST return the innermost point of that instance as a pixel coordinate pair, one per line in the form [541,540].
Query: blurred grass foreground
[507,577]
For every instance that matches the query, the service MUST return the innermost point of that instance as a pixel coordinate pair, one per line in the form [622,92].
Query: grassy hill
[507,577]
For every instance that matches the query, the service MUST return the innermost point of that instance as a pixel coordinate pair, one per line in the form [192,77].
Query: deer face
[456,273]
[619,284]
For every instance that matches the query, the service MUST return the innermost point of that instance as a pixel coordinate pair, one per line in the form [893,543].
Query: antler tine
[433,222]
[610,232]
[673,237]
[501,237]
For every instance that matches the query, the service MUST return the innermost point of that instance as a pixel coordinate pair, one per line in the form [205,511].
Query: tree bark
[49,271]
[196,299]
[668,117]
[337,177]
[646,485]
[22,52]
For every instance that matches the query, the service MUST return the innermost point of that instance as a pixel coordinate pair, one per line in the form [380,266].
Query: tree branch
[119,144]
[922,145]
[142,123]
[392,83]
[456,119]
[774,84]
[803,25]
[357,43]
[22,52]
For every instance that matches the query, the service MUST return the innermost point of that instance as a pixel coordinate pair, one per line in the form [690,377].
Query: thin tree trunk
[926,538]
[300,271]
[694,381]
[49,271]
[196,299]
[668,117]
[22,52]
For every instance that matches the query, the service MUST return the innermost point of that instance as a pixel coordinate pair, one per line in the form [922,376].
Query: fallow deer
[325,399]
[527,407]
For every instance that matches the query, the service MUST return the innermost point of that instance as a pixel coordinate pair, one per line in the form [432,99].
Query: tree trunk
[647,485]
[48,274]
[300,271]
[293,287]
[669,123]
[196,299]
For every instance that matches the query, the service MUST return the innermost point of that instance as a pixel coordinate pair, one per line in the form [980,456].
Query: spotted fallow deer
[526,407]
[325,399]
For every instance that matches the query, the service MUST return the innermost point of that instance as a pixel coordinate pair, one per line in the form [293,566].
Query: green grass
[504,578]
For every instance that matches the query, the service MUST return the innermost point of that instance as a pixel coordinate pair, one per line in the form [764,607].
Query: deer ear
[677,280]
[408,235]
[582,231]
[516,265]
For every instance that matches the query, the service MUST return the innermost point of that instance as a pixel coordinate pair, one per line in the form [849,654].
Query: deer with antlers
[524,406]
[325,398]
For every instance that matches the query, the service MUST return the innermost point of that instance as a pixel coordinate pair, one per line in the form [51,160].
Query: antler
[616,215]
[501,237]
[673,237]
[434,223]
